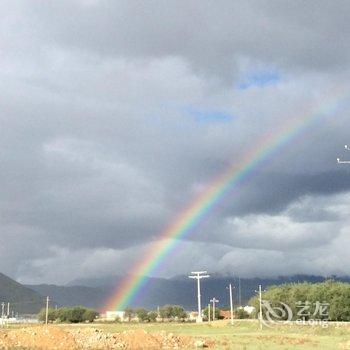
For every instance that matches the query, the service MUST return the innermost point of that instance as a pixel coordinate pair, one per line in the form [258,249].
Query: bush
[152,316]
[142,315]
[75,314]
[129,313]
[173,312]
[52,315]
[217,313]
[241,314]
[90,315]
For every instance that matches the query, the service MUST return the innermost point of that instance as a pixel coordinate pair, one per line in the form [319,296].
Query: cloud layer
[114,116]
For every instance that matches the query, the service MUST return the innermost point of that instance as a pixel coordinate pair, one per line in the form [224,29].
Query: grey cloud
[99,152]
[273,192]
[213,37]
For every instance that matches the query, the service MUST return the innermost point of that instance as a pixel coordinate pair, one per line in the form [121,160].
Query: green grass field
[247,334]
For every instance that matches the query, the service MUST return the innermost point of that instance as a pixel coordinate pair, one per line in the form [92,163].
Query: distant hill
[22,299]
[159,291]
[94,293]
[92,297]
[95,282]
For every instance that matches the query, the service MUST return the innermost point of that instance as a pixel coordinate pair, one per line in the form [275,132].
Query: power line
[344,161]
[24,302]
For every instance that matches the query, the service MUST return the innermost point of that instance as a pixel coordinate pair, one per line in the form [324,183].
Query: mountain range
[22,299]
[156,292]
[95,292]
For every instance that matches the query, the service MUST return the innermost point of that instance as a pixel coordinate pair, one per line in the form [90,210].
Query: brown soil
[136,339]
[55,338]
[37,338]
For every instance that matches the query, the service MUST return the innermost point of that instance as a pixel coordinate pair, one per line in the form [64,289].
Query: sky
[114,115]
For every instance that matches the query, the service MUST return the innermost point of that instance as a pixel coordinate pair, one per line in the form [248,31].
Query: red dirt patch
[55,338]
[37,338]
[135,339]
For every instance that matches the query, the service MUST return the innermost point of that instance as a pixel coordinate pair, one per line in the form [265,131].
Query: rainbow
[232,178]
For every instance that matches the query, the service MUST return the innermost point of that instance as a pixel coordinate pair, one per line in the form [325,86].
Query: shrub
[75,314]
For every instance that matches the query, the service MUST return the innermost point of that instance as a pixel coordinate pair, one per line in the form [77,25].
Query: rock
[199,344]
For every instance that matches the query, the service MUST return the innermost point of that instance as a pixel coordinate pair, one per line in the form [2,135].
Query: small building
[113,315]
[249,309]
[224,314]
[192,315]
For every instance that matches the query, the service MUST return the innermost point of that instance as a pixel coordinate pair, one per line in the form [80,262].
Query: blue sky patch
[259,79]
[209,116]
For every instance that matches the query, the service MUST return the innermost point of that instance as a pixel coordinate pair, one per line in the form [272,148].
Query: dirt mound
[135,339]
[37,338]
[55,338]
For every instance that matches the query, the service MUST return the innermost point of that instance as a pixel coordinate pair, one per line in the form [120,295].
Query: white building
[249,309]
[113,315]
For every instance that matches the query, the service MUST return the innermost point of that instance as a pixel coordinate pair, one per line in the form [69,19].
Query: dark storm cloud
[271,193]
[114,115]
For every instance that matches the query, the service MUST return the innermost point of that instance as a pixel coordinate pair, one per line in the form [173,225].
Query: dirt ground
[56,338]
[220,335]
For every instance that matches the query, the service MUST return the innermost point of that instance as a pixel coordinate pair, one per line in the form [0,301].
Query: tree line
[166,312]
[329,300]
[174,313]
[76,314]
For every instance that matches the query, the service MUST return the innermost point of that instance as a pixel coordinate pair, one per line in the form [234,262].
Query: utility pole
[209,312]
[47,310]
[214,301]
[239,292]
[259,291]
[344,161]
[198,275]
[231,301]
[2,310]
[260,305]
[8,310]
